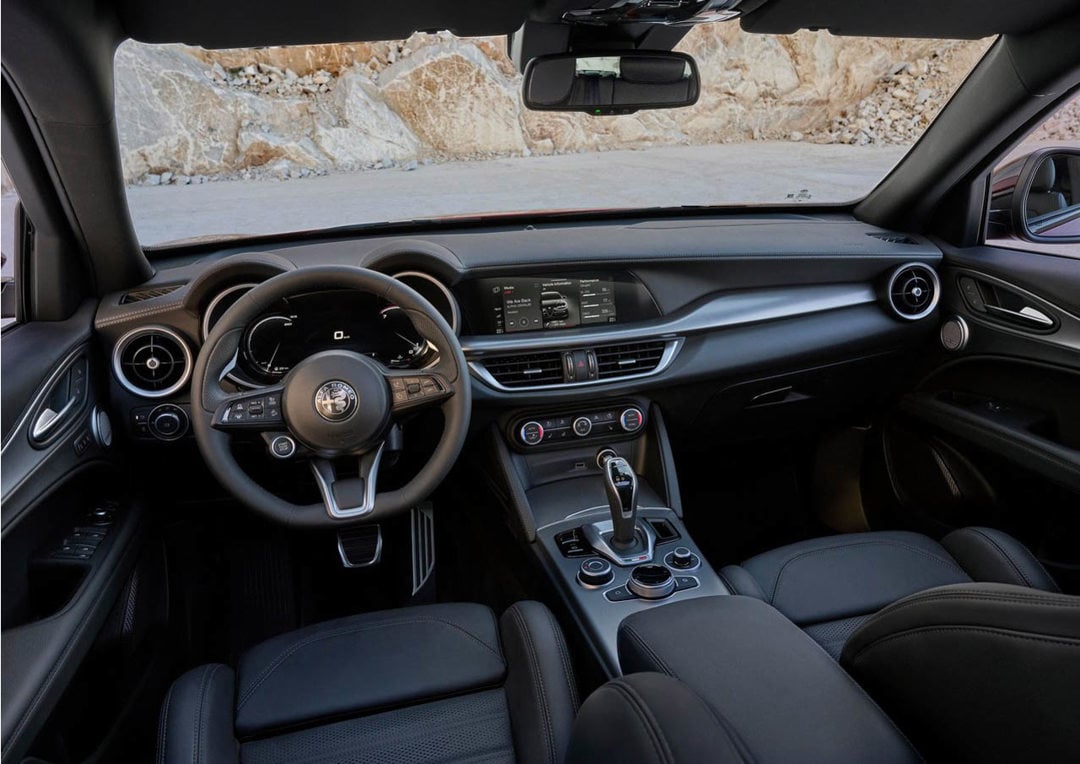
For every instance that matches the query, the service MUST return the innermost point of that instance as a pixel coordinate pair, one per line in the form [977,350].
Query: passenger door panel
[995,426]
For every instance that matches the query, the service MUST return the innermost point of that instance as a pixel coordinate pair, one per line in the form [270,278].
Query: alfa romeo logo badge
[335,401]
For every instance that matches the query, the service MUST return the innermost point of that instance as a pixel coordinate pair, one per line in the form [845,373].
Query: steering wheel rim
[220,350]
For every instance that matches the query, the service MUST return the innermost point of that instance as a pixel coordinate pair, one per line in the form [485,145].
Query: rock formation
[191,115]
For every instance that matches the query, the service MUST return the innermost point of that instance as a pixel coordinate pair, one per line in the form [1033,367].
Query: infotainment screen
[530,304]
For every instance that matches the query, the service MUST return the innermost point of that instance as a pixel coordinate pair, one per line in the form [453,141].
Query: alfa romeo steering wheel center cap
[335,401]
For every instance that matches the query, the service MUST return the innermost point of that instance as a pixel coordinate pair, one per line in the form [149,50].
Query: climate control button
[532,433]
[631,419]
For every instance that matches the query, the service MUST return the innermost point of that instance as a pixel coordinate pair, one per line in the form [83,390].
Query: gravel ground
[756,173]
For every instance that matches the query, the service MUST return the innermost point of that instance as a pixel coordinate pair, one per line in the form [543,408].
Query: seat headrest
[1044,176]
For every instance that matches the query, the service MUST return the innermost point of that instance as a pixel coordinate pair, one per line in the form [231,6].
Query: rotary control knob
[631,419]
[651,582]
[531,433]
[595,572]
[682,558]
[167,422]
[582,426]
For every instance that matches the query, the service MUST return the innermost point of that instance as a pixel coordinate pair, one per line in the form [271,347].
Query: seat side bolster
[540,687]
[648,719]
[976,671]
[196,724]
[739,581]
[996,557]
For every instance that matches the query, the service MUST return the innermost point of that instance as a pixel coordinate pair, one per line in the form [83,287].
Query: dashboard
[549,315]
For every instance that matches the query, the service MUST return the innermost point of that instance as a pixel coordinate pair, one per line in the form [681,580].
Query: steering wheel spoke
[414,390]
[255,411]
[349,497]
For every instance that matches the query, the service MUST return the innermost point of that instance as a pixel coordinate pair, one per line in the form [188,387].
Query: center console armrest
[779,695]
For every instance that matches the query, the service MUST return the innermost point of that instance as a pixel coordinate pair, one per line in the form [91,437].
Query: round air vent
[152,362]
[913,291]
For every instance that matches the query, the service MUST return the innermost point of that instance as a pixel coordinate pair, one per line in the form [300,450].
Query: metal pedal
[360,547]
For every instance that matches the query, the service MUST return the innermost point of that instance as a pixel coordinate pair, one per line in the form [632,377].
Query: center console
[599,505]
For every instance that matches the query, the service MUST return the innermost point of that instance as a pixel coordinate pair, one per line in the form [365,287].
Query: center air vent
[913,291]
[527,370]
[579,366]
[629,359]
[152,362]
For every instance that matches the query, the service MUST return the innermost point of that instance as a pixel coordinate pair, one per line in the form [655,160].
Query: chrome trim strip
[666,359]
[720,312]
[594,534]
[134,334]
[325,478]
[455,310]
[206,327]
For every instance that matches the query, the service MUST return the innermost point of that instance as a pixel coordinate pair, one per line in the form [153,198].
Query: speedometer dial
[265,342]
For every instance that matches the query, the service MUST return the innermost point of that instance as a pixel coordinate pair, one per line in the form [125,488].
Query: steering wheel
[333,403]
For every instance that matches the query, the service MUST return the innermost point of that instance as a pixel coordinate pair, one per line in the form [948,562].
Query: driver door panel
[72,526]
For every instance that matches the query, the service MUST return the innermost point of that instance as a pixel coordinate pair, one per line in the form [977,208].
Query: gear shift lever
[620,483]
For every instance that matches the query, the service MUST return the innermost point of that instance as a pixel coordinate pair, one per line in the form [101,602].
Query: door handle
[1026,314]
[48,419]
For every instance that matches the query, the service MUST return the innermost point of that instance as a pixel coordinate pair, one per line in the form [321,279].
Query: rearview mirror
[1039,197]
[611,83]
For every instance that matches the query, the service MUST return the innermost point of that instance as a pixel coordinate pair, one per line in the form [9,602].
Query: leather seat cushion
[839,577]
[423,684]
[365,663]
[830,586]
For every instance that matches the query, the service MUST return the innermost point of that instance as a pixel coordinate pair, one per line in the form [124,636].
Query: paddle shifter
[621,486]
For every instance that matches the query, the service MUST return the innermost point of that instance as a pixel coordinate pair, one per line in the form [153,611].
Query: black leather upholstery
[775,696]
[995,557]
[647,718]
[414,684]
[196,718]
[830,586]
[977,672]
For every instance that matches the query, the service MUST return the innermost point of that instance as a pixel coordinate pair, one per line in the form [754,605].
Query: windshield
[258,141]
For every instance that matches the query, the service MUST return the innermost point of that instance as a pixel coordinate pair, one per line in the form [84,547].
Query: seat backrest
[986,672]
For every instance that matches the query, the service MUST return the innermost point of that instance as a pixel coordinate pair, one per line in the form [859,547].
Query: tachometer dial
[265,342]
[406,348]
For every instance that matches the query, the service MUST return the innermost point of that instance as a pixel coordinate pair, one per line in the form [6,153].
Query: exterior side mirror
[611,82]
[1037,198]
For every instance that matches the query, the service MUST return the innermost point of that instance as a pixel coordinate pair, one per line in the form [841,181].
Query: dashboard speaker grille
[147,294]
[527,370]
[152,362]
[913,291]
[631,358]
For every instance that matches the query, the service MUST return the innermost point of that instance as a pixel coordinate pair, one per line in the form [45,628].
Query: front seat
[432,683]
[830,586]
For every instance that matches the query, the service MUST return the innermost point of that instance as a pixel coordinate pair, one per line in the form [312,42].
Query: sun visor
[249,23]
[955,19]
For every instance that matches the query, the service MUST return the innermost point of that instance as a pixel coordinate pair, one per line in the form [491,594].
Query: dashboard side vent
[893,238]
[628,359]
[530,370]
[913,291]
[148,294]
[152,362]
